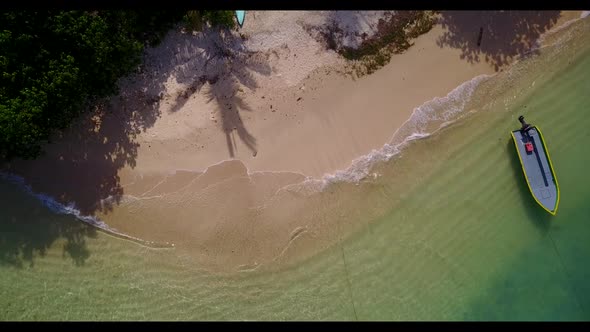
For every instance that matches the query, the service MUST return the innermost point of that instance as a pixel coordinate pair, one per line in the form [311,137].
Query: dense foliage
[394,35]
[52,63]
[223,18]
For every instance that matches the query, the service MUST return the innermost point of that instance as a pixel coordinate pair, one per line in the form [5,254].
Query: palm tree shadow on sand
[228,70]
[229,107]
[496,37]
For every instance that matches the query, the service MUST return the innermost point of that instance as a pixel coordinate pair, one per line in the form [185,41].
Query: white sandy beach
[231,129]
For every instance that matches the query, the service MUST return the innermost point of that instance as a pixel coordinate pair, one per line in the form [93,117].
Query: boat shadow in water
[536,214]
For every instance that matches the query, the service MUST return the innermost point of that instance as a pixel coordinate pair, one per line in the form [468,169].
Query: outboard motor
[525,126]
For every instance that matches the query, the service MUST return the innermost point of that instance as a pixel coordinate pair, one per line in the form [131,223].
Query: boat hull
[240,15]
[537,168]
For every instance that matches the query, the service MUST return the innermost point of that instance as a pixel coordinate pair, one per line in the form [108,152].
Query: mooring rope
[565,270]
[346,271]
[348,281]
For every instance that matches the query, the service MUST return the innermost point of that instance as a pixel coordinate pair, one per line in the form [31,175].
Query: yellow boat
[536,165]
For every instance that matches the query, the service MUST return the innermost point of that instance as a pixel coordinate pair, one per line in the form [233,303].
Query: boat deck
[537,168]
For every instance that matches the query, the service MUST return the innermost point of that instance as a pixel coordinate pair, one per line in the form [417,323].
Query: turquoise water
[461,239]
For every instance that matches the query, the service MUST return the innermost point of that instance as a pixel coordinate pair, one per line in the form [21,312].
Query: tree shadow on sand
[82,164]
[347,28]
[225,68]
[497,37]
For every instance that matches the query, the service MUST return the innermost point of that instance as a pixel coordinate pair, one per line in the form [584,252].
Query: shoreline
[182,181]
[310,107]
[291,123]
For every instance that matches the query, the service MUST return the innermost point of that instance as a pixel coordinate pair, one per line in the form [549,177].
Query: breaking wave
[425,120]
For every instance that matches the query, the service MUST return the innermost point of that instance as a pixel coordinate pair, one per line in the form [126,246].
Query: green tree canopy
[52,62]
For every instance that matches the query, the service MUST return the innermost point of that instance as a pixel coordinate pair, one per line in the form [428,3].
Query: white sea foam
[424,121]
[538,44]
[51,203]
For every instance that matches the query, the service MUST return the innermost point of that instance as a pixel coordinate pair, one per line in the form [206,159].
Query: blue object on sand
[240,15]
